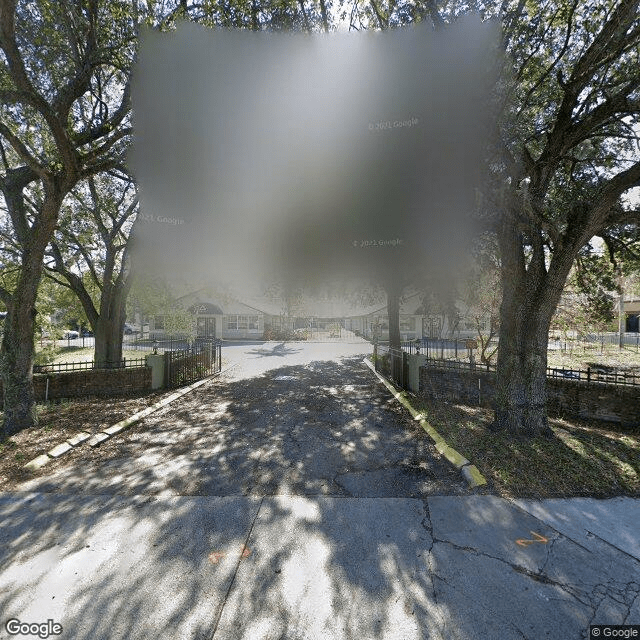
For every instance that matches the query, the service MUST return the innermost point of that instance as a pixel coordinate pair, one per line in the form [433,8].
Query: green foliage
[285,335]
[596,280]
[588,304]
[178,321]
[46,355]
[149,296]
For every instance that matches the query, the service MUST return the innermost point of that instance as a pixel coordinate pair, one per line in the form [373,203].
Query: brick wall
[91,382]
[570,398]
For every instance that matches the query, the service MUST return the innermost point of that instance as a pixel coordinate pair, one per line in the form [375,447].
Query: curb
[105,434]
[469,471]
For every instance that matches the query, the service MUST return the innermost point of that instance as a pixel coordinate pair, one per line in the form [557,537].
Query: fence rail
[442,348]
[601,374]
[184,366]
[392,363]
[63,367]
[148,341]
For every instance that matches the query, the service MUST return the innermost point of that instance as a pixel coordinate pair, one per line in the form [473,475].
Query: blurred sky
[308,155]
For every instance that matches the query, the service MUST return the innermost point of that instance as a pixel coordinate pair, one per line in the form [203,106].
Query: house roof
[227,302]
[410,306]
[205,308]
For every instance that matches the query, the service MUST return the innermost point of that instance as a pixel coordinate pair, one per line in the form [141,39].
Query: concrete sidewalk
[294,567]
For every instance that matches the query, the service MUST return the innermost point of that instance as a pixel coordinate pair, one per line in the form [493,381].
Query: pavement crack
[426,522]
[633,600]
[544,579]
[518,630]
[549,550]
[536,576]
[235,571]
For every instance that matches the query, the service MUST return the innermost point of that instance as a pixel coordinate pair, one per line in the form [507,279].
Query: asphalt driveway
[293,500]
[288,419]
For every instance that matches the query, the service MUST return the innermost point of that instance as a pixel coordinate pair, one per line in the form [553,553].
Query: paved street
[293,499]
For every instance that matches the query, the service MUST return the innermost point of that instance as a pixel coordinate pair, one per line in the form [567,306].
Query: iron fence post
[405,370]
[167,365]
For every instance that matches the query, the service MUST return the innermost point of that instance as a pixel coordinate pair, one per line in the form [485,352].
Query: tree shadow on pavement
[150,541]
[280,350]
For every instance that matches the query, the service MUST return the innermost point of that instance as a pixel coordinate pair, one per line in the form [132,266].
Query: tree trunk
[521,385]
[16,359]
[109,328]
[393,313]
[530,295]
[621,315]
[18,348]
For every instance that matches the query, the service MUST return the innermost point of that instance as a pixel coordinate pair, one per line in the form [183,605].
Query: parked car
[130,328]
[86,333]
[70,334]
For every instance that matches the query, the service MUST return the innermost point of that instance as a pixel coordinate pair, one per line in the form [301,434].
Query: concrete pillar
[156,362]
[415,362]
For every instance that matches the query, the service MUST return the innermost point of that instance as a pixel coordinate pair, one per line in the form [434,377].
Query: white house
[217,316]
[415,321]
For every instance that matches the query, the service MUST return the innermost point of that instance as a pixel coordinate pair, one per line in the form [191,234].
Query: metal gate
[184,366]
[393,364]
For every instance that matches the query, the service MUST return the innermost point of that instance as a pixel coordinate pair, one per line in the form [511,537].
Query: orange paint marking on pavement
[524,542]
[216,556]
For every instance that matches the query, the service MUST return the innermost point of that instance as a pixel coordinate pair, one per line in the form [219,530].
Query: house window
[407,323]
[242,323]
[158,322]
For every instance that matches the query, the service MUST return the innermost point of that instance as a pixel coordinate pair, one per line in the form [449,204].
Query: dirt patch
[584,458]
[59,421]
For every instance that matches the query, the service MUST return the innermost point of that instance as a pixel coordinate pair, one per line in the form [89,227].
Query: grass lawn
[84,354]
[583,355]
[582,459]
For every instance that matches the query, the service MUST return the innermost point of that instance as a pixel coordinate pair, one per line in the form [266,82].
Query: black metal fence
[458,364]
[442,348]
[392,363]
[184,366]
[165,342]
[603,374]
[63,367]
[610,375]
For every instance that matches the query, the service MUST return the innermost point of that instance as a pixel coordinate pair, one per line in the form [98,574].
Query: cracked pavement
[295,500]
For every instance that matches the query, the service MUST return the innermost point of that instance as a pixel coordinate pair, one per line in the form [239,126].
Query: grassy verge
[586,354]
[582,459]
[84,354]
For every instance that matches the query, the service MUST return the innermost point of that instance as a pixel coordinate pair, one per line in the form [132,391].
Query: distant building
[218,314]
[632,313]
[415,321]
